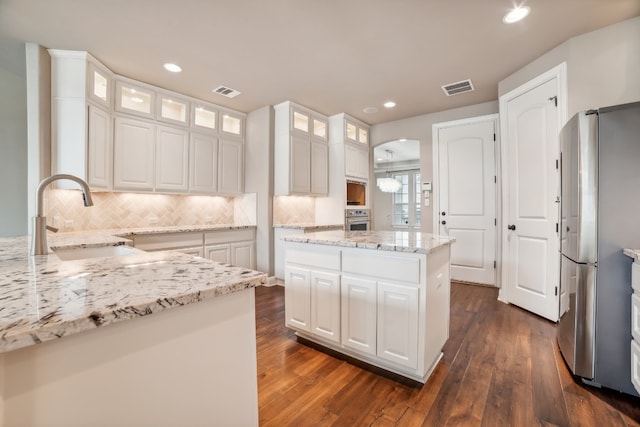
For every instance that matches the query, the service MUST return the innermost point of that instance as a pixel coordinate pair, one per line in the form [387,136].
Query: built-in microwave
[356,193]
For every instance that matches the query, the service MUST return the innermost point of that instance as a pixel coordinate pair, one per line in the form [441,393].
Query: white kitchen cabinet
[218,253]
[298,298]
[230,166]
[232,123]
[301,162]
[356,161]
[356,131]
[196,251]
[81,129]
[394,306]
[300,166]
[172,159]
[100,146]
[359,307]
[325,304]
[134,155]
[397,332]
[204,117]
[243,254]
[203,164]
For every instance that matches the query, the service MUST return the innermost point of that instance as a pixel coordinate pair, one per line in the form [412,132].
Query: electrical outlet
[208,219]
[68,224]
[153,219]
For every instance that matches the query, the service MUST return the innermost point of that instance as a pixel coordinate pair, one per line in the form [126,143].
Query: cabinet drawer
[635,365]
[404,269]
[228,236]
[159,242]
[635,276]
[635,316]
[325,257]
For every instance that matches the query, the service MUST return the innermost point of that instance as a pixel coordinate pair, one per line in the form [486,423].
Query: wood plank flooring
[501,367]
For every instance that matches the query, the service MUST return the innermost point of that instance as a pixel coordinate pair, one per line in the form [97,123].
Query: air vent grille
[458,87]
[226,91]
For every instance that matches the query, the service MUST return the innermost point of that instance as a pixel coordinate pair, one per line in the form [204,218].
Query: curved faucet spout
[40,221]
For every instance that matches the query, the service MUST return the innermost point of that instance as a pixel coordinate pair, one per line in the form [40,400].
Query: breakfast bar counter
[158,338]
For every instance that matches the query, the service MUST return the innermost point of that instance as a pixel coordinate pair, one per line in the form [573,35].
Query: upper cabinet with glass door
[100,84]
[232,123]
[204,116]
[356,131]
[307,122]
[172,109]
[135,99]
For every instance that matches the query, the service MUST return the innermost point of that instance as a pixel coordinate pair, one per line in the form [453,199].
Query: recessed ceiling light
[516,14]
[402,139]
[370,110]
[174,68]
[389,104]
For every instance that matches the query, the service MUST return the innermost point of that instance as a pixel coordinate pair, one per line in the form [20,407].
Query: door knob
[511,227]
[444,223]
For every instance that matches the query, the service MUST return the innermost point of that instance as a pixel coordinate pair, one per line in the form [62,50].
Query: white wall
[259,148]
[419,128]
[13,140]
[603,67]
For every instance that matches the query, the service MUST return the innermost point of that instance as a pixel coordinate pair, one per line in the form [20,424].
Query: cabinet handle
[511,227]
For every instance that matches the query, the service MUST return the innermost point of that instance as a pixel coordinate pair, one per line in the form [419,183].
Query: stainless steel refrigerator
[600,216]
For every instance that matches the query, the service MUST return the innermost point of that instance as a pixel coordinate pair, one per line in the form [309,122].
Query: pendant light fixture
[388,184]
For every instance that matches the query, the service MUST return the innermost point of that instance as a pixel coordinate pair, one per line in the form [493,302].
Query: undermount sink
[94,252]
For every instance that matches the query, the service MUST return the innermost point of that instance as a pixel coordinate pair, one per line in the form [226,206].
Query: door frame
[435,201]
[559,72]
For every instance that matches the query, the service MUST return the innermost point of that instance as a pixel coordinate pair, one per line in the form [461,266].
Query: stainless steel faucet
[40,226]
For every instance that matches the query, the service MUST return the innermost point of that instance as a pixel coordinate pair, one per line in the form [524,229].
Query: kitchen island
[158,339]
[380,297]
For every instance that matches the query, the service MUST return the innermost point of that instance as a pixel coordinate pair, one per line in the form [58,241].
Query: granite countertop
[398,241]
[633,253]
[125,232]
[44,298]
[309,226]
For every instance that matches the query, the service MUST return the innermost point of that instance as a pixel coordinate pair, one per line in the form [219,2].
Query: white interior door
[530,155]
[467,198]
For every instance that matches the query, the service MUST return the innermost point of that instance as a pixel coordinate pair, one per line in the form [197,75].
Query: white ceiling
[329,55]
[401,150]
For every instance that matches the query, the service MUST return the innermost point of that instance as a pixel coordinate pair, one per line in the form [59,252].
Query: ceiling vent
[226,91]
[458,87]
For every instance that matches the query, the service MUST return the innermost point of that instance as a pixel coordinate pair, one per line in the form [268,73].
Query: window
[406,201]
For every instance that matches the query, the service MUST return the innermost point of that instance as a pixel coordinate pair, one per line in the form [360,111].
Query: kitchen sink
[94,252]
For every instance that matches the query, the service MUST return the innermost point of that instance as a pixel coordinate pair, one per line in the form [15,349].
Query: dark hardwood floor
[501,367]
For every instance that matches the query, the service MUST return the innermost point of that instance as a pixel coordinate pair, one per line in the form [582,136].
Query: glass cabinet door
[204,117]
[172,110]
[363,136]
[134,99]
[232,124]
[300,121]
[320,128]
[351,131]
[100,85]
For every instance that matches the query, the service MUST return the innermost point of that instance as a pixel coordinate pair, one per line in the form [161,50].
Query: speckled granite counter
[398,241]
[44,298]
[308,227]
[125,232]
[633,253]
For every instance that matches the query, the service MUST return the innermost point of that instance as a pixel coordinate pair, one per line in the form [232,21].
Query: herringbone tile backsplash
[129,210]
[294,210]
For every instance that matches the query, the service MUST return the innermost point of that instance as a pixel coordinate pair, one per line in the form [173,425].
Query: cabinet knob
[443,213]
[444,223]
[511,227]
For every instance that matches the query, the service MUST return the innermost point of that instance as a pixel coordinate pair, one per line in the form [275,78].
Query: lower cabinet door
[242,254]
[398,324]
[218,253]
[297,294]
[359,314]
[325,305]
[635,365]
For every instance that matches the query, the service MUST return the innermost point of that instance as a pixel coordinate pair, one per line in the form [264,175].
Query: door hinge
[494,136]
[555,100]
[494,264]
[495,179]
[556,227]
[495,221]
[557,164]
[556,291]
